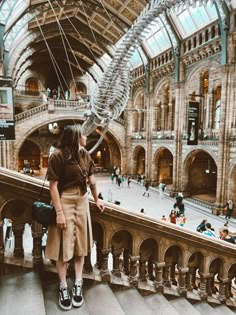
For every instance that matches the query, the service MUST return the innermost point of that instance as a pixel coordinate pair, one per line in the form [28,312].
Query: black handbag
[43,212]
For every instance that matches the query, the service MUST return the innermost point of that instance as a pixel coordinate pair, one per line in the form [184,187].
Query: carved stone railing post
[188,283]
[87,263]
[116,262]
[222,289]
[166,276]
[158,276]
[37,248]
[182,279]
[133,276]
[203,285]
[18,232]
[142,268]
[104,265]
[228,289]
[126,261]
[172,275]
[191,279]
[210,285]
[99,257]
[1,242]
[150,268]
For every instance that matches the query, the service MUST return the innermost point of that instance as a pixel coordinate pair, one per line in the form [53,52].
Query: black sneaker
[77,297]
[64,299]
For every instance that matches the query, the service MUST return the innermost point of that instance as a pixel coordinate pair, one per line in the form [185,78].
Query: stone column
[227,97]
[87,263]
[179,117]
[182,279]
[133,276]
[1,243]
[104,266]
[128,134]
[162,117]
[170,117]
[37,248]
[159,273]
[149,126]
[116,262]
[18,232]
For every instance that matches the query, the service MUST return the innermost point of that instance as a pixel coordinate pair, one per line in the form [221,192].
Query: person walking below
[182,220]
[229,207]
[146,189]
[70,169]
[172,217]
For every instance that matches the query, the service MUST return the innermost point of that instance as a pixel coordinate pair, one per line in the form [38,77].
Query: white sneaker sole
[65,308]
[77,304]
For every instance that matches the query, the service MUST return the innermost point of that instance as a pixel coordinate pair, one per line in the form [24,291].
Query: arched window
[200,39]
[31,85]
[80,89]
[213,32]
[217,114]
[206,35]
[217,101]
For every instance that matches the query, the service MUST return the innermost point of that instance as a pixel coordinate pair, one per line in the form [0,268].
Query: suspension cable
[54,62]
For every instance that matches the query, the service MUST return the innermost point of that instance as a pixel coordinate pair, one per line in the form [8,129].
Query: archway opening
[31,86]
[139,161]
[29,157]
[163,168]
[202,175]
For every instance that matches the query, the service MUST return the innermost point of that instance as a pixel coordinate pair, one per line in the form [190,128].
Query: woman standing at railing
[70,168]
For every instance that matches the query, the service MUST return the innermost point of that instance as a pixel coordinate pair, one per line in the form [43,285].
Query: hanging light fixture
[54,128]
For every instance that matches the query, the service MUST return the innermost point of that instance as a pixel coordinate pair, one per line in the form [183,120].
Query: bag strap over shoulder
[59,186]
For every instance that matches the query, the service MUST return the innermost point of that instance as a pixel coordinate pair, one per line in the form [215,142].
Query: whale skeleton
[112,93]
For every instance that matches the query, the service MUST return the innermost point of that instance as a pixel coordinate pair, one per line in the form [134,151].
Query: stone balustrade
[51,106]
[146,252]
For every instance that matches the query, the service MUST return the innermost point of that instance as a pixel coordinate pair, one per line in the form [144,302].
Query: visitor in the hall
[202,226]
[172,216]
[146,189]
[182,220]
[209,230]
[70,169]
[226,237]
[229,207]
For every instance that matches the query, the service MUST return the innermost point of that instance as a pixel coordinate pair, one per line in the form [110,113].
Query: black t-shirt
[230,240]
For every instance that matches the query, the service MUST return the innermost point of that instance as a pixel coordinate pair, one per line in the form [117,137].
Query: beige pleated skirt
[76,239]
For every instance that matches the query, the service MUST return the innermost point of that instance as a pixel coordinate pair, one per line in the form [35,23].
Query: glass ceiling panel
[189,20]
[138,58]
[157,40]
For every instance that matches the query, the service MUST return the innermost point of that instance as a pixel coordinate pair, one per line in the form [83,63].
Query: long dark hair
[69,142]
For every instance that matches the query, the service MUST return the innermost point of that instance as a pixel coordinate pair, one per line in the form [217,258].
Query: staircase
[28,293]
